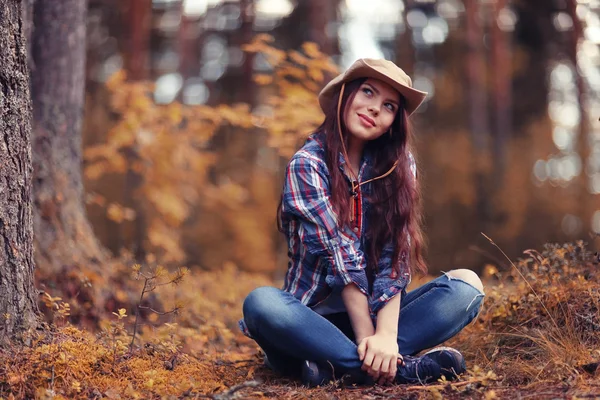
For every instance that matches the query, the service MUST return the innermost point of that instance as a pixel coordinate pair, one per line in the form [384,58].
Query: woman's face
[372,110]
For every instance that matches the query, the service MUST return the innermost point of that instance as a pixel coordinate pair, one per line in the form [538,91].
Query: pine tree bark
[18,307]
[64,236]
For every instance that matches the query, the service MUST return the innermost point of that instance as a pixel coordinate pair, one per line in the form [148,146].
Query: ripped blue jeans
[290,332]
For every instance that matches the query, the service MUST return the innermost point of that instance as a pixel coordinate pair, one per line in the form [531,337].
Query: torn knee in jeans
[467,276]
[470,278]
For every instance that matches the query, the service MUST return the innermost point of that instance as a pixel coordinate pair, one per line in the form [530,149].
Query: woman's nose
[373,109]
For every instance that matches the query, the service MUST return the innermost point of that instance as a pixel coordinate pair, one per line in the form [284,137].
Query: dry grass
[536,337]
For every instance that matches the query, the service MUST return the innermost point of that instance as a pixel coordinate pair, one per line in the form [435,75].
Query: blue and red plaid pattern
[324,258]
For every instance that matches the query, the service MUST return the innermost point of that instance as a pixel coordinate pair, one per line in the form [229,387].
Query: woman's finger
[386,367]
[392,371]
[400,360]
[375,371]
[368,361]
[362,349]
[385,371]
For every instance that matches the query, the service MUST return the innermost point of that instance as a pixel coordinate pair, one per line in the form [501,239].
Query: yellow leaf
[160,271]
[315,74]
[116,79]
[115,213]
[75,385]
[312,49]
[298,58]
[263,79]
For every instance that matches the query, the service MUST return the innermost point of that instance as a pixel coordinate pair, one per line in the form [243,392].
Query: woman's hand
[380,357]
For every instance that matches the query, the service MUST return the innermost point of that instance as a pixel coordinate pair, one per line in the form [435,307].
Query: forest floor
[536,337]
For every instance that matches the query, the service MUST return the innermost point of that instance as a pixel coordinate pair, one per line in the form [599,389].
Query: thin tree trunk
[189,44]
[246,30]
[583,147]
[478,111]
[18,297]
[64,236]
[320,15]
[405,50]
[139,17]
[502,83]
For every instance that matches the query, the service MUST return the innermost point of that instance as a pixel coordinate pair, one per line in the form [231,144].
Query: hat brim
[413,97]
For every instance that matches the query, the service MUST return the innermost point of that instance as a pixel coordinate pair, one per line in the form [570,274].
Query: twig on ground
[444,385]
[137,316]
[225,362]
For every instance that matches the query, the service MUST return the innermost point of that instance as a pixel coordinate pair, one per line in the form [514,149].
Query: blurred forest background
[194,106]
[184,115]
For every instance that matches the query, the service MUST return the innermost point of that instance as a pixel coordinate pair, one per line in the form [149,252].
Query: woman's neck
[355,151]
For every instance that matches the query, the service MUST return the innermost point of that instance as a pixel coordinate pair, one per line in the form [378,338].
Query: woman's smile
[368,122]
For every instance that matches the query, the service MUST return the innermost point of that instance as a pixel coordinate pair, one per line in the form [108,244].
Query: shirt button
[355,229]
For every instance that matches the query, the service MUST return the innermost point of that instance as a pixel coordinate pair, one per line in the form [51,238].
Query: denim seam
[423,296]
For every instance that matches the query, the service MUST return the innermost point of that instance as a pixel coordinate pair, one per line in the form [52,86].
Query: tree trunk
[246,33]
[18,306]
[478,111]
[583,142]
[188,46]
[64,236]
[138,18]
[320,14]
[405,50]
[502,83]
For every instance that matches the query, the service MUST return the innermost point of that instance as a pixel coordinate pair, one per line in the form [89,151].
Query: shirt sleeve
[387,282]
[306,195]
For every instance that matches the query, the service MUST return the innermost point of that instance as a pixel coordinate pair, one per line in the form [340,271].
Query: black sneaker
[313,376]
[418,370]
[451,362]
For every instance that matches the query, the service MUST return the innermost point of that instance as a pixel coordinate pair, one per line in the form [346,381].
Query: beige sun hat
[384,70]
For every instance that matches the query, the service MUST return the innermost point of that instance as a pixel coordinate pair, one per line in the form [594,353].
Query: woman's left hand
[379,354]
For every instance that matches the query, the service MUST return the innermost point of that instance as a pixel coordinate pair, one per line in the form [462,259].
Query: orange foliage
[536,332]
[171,149]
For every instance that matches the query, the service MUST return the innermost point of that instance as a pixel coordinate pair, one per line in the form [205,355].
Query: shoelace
[417,363]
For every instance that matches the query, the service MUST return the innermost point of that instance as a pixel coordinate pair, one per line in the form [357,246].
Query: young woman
[350,212]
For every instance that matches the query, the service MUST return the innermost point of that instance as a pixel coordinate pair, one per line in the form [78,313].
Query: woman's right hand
[380,356]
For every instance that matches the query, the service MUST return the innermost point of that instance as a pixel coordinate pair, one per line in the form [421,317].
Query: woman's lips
[366,120]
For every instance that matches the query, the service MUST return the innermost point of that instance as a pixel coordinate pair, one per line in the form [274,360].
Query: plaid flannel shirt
[324,258]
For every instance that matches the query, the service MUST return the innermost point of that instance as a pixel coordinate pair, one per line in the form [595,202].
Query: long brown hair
[395,212]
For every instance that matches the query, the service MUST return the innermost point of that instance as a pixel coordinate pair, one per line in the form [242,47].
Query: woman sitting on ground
[350,212]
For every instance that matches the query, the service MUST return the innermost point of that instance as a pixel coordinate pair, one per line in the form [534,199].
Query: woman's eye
[390,106]
[367,91]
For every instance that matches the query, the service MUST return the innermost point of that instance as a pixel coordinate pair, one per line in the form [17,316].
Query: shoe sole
[311,376]
[448,373]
